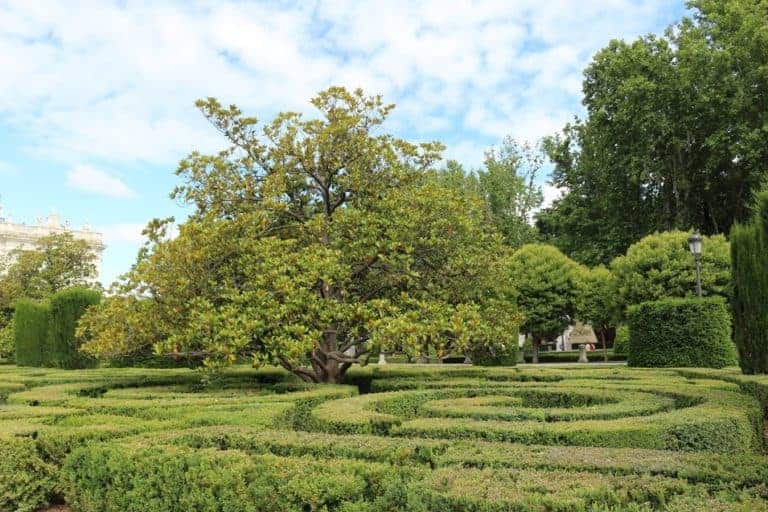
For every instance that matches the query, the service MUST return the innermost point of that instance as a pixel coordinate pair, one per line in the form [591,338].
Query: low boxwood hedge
[442,438]
[681,333]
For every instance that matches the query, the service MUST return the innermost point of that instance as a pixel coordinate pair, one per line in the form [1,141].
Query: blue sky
[96,98]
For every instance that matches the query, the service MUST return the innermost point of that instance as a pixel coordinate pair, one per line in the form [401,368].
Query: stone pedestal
[382,358]
[583,354]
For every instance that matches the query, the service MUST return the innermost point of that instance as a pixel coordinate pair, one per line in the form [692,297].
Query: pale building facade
[23,236]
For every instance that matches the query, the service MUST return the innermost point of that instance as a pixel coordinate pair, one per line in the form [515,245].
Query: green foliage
[603,438]
[749,256]
[31,320]
[546,282]
[572,356]
[7,342]
[26,481]
[56,262]
[597,304]
[661,266]
[674,136]
[621,343]
[66,308]
[314,243]
[507,185]
[681,332]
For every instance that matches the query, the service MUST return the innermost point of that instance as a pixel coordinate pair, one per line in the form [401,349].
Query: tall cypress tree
[749,258]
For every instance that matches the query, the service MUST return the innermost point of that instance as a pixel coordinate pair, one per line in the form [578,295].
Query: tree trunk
[535,359]
[605,348]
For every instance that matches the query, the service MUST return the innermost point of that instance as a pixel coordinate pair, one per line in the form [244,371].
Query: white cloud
[551,193]
[116,81]
[88,178]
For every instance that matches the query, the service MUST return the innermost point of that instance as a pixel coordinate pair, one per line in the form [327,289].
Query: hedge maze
[395,438]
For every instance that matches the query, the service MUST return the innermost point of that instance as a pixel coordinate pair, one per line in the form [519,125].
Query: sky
[97,98]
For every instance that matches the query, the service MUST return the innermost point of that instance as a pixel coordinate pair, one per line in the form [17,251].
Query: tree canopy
[547,283]
[55,262]
[312,243]
[508,185]
[674,138]
[661,266]
[597,304]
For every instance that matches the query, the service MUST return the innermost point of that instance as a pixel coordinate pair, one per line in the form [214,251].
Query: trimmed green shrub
[493,356]
[66,307]
[749,259]
[660,266]
[166,479]
[572,356]
[454,438]
[621,342]
[681,333]
[30,321]
[7,342]
[26,481]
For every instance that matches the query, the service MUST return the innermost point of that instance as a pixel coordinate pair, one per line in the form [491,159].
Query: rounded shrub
[680,333]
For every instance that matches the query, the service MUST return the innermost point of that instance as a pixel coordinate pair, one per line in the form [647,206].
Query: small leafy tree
[56,262]
[507,185]
[547,284]
[661,266]
[749,255]
[597,303]
[313,242]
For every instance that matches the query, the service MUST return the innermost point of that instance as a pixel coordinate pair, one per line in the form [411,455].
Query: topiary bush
[749,259]
[681,333]
[30,321]
[66,308]
[661,266]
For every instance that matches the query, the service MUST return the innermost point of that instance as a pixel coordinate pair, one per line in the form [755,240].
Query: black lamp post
[694,244]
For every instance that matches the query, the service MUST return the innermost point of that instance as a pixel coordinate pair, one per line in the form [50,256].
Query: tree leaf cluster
[675,137]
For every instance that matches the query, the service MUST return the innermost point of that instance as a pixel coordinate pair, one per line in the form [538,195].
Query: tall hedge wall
[30,321]
[749,260]
[681,332]
[66,309]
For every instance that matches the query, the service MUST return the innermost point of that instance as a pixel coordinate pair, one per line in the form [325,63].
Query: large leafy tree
[674,136]
[312,242]
[547,283]
[661,266]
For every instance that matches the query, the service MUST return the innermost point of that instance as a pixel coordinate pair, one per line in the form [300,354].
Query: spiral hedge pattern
[420,438]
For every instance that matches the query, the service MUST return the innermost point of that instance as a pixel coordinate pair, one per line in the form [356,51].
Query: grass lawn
[421,438]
